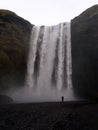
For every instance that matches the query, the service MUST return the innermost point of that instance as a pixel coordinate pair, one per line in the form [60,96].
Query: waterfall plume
[49,65]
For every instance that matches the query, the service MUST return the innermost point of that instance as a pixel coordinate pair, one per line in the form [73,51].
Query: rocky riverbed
[49,116]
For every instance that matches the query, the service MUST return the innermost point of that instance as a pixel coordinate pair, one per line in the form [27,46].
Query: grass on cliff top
[4,12]
[14,39]
[81,22]
[87,14]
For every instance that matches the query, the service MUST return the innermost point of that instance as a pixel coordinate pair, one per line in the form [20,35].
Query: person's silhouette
[62,99]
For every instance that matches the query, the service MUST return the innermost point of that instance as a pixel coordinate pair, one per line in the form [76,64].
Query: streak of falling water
[69,58]
[60,54]
[49,44]
[32,55]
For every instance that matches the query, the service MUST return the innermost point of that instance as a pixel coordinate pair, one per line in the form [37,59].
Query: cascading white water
[69,58]
[49,65]
[32,50]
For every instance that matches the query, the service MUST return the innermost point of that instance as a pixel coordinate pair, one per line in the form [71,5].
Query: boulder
[4,99]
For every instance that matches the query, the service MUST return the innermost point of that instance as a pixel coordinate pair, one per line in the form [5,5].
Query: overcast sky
[47,12]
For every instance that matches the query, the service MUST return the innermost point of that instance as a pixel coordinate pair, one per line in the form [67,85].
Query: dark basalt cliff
[14,39]
[85,52]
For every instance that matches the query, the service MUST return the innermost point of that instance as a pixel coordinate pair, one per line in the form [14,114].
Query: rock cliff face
[85,52]
[14,39]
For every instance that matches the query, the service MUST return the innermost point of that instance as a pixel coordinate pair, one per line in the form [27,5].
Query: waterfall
[49,66]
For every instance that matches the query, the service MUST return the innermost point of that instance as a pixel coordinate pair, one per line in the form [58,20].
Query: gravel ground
[49,116]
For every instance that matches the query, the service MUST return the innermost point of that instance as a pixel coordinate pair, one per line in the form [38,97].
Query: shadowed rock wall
[14,39]
[85,52]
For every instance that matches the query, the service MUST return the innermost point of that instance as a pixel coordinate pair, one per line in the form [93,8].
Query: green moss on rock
[14,39]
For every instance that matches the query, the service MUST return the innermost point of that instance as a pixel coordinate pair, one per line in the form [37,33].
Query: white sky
[47,12]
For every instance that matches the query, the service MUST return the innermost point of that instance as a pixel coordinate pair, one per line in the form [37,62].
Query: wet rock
[14,39]
[84,31]
[4,99]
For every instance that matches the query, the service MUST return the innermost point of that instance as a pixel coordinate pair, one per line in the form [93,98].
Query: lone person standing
[62,99]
